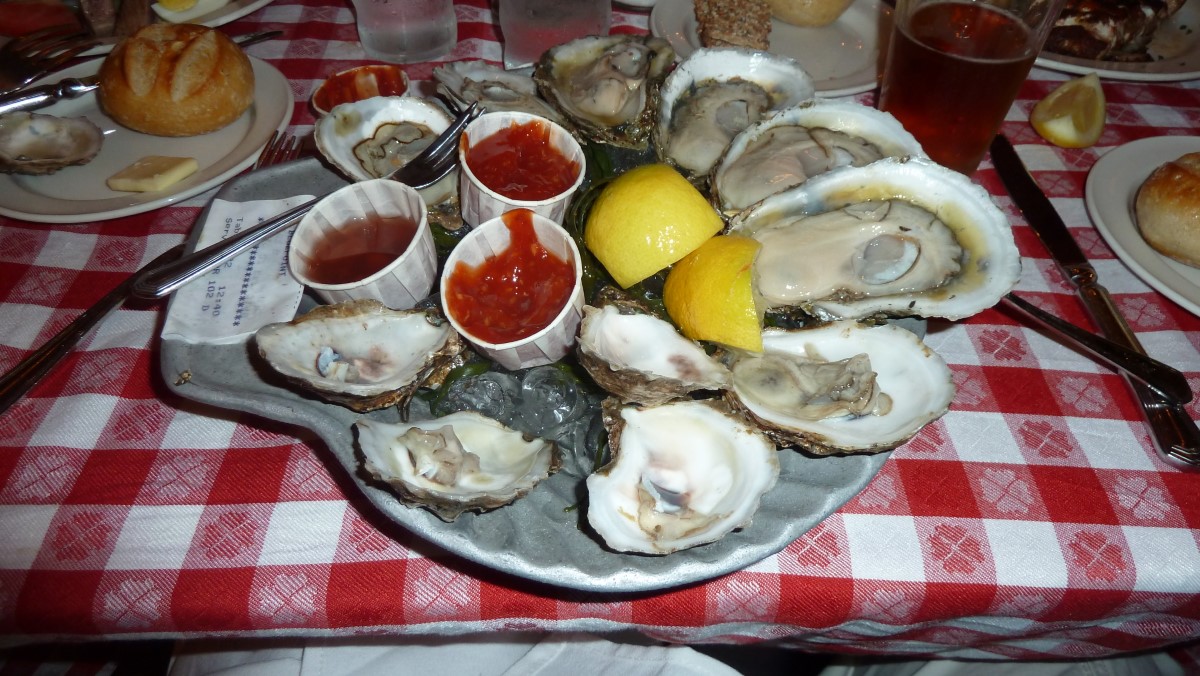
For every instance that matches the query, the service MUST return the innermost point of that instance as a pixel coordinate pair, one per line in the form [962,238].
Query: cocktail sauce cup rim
[422,228]
[452,262]
[371,67]
[518,117]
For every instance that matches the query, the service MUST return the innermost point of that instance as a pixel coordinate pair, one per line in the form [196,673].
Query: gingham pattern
[1033,520]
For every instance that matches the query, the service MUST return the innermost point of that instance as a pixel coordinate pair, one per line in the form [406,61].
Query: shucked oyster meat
[607,86]
[457,463]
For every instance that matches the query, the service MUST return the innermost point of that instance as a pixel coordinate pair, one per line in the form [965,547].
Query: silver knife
[1175,435]
[41,96]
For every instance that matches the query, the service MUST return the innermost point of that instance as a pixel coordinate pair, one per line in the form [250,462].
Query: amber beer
[952,72]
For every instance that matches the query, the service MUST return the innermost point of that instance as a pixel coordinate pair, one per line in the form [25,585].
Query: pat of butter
[201,8]
[153,173]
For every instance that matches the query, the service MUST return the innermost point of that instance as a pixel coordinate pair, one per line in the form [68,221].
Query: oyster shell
[31,143]
[457,463]
[683,474]
[361,354]
[716,93]
[494,88]
[373,137]
[898,237]
[607,86]
[641,358]
[801,142]
[843,387]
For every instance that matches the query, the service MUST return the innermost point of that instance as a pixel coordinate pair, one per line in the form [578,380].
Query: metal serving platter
[543,537]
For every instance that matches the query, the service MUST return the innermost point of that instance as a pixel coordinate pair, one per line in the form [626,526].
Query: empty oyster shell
[457,463]
[361,354]
[493,88]
[683,474]
[716,93]
[31,143]
[607,86]
[843,387]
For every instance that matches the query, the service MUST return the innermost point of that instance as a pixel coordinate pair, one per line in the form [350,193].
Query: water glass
[530,27]
[406,31]
[953,70]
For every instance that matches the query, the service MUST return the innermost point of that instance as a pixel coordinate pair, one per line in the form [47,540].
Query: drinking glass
[406,31]
[953,70]
[530,27]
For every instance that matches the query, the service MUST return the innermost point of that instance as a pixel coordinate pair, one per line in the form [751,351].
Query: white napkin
[241,296]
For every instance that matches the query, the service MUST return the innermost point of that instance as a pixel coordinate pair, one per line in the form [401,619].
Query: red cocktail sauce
[520,163]
[514,294]
[359,249]
[360,83]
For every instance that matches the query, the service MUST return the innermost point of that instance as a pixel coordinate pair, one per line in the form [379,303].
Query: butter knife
[1174,434]
[41,96]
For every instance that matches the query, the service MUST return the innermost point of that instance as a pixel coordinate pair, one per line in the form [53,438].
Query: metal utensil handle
[162,280]
[1169,383]
[31,369]
[44,95]
[1173,432]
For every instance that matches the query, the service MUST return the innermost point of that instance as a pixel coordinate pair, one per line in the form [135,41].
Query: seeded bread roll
[734,23]
[1168,209]
[176,80]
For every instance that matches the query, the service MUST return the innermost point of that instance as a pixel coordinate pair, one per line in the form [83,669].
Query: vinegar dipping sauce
[360,248]
[514,294]
[520,163]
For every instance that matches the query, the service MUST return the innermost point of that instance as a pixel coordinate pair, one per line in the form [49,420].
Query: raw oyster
[716,93]
[801,142]
[373,137]
[457,463]
[361,354]
[683,474]
[898,237]
[31,143]
[494,88]
[843,387]
[607,86]
[641,358]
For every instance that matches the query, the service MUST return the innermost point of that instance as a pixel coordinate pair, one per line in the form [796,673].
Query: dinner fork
[282,147]
[427,168]
[29,57]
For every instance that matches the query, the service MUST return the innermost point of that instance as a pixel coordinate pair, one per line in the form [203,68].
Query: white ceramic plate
[231,11]
[79,194]
[1111,187]
[1175,48]
[843,58]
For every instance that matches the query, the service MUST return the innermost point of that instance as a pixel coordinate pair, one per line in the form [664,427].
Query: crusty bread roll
[176,80]
[1168,209]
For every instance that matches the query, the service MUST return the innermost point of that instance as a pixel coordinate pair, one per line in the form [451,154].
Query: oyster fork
[29,57]
[282,147]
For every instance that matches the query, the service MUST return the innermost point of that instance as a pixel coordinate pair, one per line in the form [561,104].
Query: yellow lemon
[177,5]
[710,296]
[1071,116]
[645,220]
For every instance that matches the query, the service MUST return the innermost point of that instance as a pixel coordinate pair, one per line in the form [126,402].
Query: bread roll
[808,13]
[1167,209]
[176,80]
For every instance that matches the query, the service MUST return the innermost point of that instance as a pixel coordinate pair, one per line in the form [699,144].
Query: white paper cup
[480,203]
[402,283]
[553,341]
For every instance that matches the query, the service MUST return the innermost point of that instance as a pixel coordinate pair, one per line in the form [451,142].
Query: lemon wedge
[1071,116]
[645,220]
[710,296]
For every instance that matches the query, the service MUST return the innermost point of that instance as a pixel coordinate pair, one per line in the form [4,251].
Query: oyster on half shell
[493,88]
[31,143]
[898,237]
[457,463]
[683,474]
[607,86]
[361,354]
[843,387]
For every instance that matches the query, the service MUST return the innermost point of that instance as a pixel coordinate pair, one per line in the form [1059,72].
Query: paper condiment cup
[553,341]
[358,83]
[402,283]
[480,203]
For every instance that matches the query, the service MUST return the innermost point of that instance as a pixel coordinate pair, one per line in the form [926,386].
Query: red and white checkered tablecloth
[1033,520]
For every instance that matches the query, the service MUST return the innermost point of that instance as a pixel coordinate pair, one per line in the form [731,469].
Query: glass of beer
[954,67]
